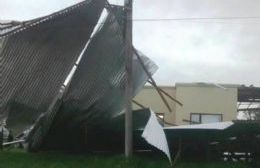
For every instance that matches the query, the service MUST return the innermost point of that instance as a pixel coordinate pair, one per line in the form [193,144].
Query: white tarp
[154,134]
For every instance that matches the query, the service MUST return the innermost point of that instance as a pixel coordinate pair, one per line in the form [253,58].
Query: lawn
[21,159]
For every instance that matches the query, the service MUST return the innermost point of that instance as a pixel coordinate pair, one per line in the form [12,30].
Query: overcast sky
[219,51]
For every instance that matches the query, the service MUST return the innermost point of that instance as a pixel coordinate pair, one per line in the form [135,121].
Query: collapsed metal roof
[248,94]
[38,55]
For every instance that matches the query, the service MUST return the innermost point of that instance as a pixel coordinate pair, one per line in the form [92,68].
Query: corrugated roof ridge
[31,23]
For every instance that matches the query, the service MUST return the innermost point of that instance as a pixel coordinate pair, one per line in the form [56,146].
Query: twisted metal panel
[37,57]
[96,91]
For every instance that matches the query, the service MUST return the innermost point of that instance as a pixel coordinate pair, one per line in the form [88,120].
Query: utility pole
[128,4]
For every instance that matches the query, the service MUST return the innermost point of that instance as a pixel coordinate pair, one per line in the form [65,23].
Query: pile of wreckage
[63,81]
[63,78]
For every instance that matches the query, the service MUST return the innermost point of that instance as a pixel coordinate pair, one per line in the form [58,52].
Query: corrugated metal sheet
[154,134]
[36,59]
[96,91]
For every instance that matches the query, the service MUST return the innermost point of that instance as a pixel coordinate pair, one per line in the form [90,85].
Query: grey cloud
[186,51]
[210,51]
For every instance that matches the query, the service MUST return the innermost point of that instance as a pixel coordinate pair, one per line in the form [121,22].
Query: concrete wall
[206,99]
[149,97]
[196,98]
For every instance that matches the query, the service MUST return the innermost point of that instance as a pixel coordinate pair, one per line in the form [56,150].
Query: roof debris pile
[38,56]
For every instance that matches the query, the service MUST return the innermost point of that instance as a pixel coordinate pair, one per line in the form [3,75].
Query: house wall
[208,99]
[196,98]
[150,98]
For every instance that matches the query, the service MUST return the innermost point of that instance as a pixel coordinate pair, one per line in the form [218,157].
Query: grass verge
[21,159]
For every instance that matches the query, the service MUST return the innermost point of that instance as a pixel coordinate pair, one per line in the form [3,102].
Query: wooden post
[178,155]
[129,82]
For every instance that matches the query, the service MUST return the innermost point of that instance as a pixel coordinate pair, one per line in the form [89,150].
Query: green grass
[21,159]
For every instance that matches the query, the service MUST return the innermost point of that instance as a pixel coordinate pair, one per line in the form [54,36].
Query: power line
[199,18]
[207,22]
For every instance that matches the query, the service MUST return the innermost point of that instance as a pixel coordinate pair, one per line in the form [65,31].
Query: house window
[200,118]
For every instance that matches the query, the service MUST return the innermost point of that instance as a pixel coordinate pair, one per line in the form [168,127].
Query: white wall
[149,97]
[206,99]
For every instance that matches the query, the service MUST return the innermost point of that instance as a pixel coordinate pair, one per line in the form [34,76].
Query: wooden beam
[191,122]
[138,104]
[178,155]
[152,80]
[157,115]
[167,94]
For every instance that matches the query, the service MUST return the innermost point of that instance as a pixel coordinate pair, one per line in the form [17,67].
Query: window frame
[201,114]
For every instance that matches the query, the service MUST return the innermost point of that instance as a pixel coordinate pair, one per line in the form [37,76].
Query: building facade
[150,98]
[202,103]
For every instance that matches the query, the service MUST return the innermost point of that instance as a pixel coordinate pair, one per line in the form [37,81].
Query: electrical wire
[199,18]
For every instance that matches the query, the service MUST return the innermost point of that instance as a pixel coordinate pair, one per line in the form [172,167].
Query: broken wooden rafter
[152,80]
[168,95]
